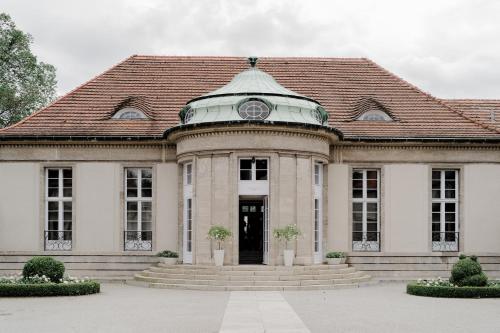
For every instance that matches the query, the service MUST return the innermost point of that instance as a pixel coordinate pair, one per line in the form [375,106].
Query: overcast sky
[448,48]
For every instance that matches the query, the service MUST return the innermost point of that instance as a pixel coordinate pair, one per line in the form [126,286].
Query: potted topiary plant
[285,235]
[168,257]
[219,234]
[335,258]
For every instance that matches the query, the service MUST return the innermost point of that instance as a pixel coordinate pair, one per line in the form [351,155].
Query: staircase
[251,277]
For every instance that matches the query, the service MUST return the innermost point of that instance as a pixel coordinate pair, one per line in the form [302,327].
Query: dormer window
[375,115]
[369,109]
[129,113]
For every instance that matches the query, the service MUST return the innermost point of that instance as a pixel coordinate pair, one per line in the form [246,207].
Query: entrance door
[251,232]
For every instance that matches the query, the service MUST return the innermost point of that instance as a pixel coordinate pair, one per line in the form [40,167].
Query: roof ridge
[243,57]
[437,100]
[65,95]
[471,99]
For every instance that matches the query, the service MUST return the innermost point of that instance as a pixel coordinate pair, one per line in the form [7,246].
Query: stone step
[287,277]
[143,278]
[206,271]
[254,267]
[250,288]
[251,277]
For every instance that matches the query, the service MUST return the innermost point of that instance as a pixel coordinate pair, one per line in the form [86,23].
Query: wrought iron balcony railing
[446,241]
[366,241]
[55,240]
[138,240]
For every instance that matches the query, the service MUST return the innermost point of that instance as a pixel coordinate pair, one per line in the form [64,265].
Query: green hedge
[453,292]
[49,289]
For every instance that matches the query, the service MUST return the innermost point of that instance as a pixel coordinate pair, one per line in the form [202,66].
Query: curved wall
[215,153]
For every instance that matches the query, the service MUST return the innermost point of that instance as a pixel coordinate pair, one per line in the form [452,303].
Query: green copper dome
[253,95]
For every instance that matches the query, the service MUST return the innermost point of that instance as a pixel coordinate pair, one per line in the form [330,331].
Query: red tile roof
[486,111]
[161,85]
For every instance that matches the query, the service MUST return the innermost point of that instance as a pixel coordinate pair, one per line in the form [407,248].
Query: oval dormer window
[254,109]
[375,115]
[129,113]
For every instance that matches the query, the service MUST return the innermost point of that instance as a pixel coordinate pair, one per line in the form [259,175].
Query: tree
[26,84]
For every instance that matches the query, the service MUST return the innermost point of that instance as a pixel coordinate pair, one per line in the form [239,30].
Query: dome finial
[252,61]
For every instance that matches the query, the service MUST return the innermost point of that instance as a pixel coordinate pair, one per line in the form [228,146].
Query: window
[253,169]
[59,209]
[188,213]
[375,115]
[445,210]
[254,109]
[139,209]
[129,113]
[188,116]
[188,174]
[318,212]
[365,210]
[319,114]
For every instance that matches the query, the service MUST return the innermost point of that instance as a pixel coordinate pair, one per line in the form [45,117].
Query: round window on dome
[316,114]
[254,110]
[188,116]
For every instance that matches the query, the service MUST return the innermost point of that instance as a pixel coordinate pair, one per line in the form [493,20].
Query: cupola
[254,96]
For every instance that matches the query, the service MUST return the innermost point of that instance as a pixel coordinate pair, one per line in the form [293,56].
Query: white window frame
[138,114]
[253,186]
[318,212]
[442,245]
[138,244]
[61,243]
[266,231]
[365,244]
[188,241]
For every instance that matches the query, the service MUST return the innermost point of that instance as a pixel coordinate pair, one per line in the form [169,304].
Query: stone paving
[124,308]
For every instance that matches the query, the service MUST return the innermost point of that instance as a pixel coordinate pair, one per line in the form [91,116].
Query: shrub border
[452,292]
[49,289]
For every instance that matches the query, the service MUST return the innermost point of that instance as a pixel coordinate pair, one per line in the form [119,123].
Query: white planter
[168,261]
[342,260]
[334,261]
[288,257]
[219,257]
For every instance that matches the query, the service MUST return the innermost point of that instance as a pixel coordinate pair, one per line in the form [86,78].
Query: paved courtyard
[123,308]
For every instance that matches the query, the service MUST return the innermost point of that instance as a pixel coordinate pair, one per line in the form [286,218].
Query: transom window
[129,113]
[254,110]
[445,210]
[188,174]
[59,209]
[139,209]
[253,169]
[365,210]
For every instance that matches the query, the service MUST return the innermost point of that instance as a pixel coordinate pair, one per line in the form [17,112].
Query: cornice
[87,145]
[226,153]
[343,146]
[254,130]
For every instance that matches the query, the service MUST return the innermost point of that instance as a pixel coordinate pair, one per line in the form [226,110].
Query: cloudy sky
[450,48]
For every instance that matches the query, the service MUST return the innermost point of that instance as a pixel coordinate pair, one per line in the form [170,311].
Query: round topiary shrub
[51,268]
[468,272]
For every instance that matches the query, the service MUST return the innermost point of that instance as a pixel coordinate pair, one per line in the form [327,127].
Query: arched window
[129,113]
[375,115]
